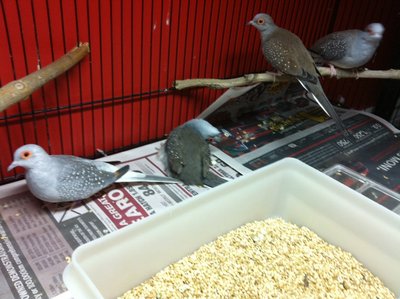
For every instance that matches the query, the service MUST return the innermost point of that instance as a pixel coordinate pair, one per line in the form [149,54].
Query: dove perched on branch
[62,178]
[286,52]
[186,153]
[348,49]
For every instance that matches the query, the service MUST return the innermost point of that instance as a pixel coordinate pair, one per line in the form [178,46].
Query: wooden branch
[18,90]
[274,77]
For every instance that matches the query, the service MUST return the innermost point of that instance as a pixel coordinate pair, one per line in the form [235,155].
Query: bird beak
[12,166]
[250,23]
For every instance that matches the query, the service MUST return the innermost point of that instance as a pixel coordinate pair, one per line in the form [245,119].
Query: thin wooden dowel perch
[20,89]
[273,77]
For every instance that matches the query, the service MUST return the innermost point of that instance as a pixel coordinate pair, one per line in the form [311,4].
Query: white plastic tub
[113,264]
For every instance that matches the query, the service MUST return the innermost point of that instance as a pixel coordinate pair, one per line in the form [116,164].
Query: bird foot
[356,74]
[276,74]
[359,70]
[333,71]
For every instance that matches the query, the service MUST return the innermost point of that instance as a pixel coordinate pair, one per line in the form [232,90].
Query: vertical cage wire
[118,97]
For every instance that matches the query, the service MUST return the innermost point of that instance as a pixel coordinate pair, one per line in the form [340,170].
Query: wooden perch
[273,77]
[18,90]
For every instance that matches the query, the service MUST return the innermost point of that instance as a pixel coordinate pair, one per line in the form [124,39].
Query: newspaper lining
[37,239]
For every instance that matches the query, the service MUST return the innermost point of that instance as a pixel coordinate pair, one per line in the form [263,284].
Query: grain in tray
[265,259]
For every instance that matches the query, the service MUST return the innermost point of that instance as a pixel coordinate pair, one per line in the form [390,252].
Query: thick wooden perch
[273,77]
[20,89]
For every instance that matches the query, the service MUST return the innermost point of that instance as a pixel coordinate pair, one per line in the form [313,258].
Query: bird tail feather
[132,177]
[120,172]
[320,97]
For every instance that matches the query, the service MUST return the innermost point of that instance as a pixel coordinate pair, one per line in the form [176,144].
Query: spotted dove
[61,178]
[286,52]
[186,153]
[350,48]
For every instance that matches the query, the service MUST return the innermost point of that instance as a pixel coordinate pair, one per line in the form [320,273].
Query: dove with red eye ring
[348,49]
[62,178]
[286,52]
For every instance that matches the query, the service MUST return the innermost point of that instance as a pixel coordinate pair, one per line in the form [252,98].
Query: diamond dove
[186,153]
[348,49]
[62,178]
[286,52]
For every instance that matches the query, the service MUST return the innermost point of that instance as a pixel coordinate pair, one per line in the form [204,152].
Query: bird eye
[260,21]
[26,155]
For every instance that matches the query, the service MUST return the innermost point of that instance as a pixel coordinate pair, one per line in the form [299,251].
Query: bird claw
[359,70]
[101,152]
[333,70]
[355,72]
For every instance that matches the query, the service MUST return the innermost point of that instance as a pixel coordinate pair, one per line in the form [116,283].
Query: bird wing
[174,148]
[286,52]
[204,148]
[188,155]
[334,46]
[79,178]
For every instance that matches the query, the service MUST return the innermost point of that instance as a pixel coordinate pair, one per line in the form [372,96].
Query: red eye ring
[260,21]
[25,155]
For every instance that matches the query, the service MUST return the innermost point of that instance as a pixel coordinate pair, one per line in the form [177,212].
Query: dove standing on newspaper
[186,153]
[348,49]
[61,178]
[287,53]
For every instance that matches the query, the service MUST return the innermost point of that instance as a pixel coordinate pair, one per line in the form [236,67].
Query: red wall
[142,46]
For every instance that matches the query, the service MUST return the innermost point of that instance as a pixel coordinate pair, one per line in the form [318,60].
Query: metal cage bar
[118,97]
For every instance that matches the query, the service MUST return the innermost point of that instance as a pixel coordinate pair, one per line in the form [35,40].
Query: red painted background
[139,47]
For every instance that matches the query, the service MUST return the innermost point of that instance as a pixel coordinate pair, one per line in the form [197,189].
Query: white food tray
[113,264]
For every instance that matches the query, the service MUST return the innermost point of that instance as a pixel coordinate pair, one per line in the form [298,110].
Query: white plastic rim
[290,189]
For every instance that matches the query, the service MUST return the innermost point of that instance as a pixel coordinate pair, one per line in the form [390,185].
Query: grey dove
[62,178]
[348,49]
[186,153]
[286,52]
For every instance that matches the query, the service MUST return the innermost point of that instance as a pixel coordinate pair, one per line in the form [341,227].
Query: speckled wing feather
[188,155]
[174,147]
[80,178]
[286,52]
[334,46]
[349,48]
